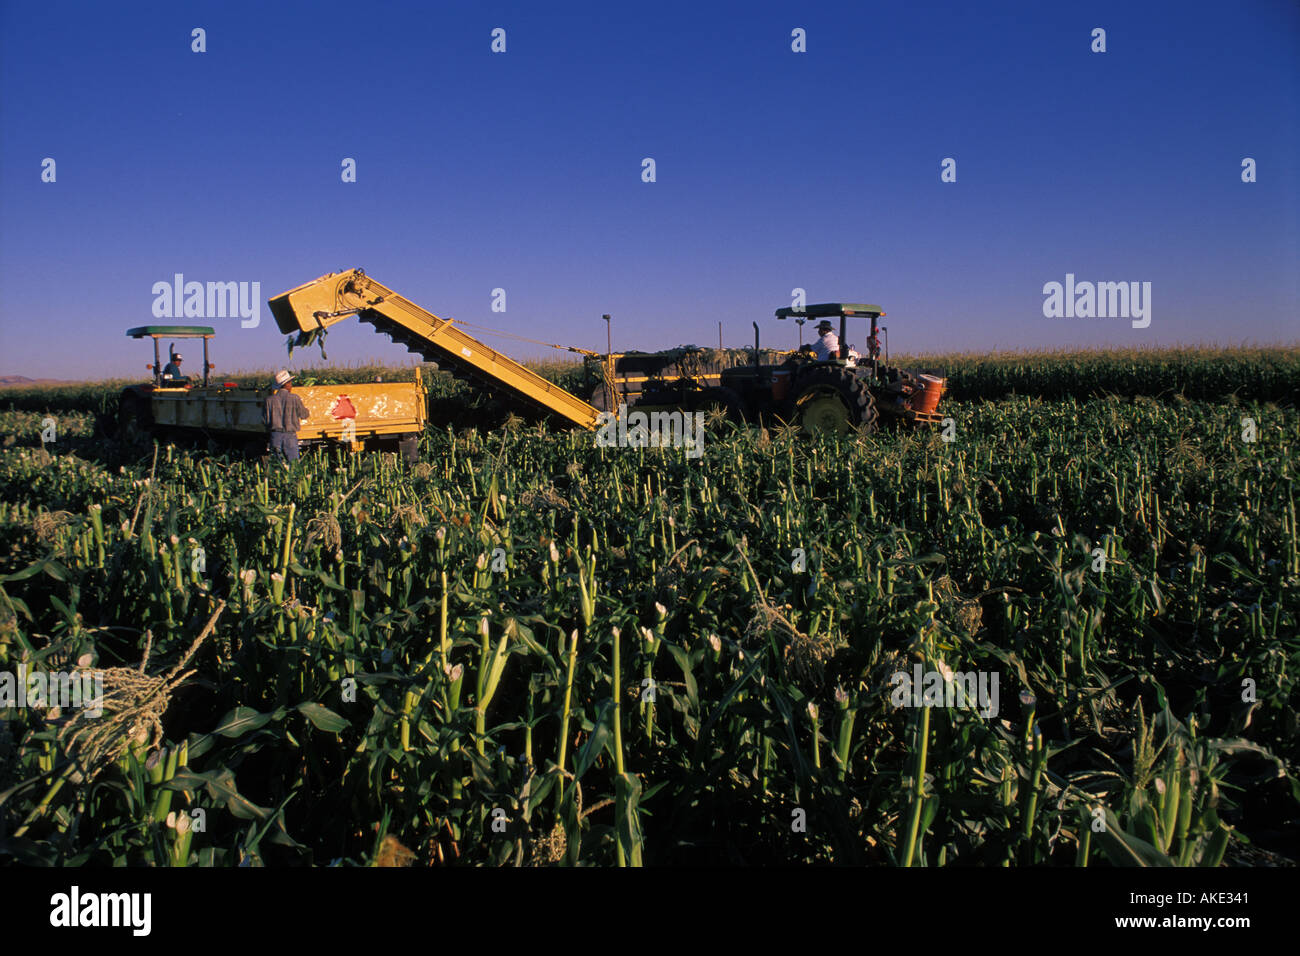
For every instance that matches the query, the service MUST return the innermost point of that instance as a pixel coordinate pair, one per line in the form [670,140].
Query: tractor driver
[172,370]
[827,346]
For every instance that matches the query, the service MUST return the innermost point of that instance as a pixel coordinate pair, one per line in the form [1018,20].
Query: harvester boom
[340,295]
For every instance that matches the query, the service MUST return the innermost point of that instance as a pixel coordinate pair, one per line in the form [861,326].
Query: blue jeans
[285,444]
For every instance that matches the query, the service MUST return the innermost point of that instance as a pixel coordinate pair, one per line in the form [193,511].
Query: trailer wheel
[132,421]
[256,447]
[409,448]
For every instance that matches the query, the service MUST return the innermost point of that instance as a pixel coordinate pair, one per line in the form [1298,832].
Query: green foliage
[375,672]
[1266,374]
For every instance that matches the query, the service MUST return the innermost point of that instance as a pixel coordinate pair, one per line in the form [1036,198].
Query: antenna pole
[609,364]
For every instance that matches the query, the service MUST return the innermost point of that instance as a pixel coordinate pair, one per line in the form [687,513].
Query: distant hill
[9,380]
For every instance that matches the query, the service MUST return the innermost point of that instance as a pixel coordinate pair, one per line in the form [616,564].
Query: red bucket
[926,398]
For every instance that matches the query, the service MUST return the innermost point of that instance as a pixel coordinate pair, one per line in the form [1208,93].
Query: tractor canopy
[171,331]
[827,309]
[159,332]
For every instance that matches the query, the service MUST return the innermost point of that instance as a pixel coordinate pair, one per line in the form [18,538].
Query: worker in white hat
[172,370]
[827,346]
[284,415]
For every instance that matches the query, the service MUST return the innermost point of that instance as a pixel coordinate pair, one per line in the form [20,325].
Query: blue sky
[523,170]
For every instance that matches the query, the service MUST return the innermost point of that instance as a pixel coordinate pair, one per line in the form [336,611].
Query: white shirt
[827,347]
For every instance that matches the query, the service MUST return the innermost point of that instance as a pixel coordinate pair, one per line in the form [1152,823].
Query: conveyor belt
[339,295]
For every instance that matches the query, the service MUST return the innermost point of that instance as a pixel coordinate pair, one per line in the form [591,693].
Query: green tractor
[837,393]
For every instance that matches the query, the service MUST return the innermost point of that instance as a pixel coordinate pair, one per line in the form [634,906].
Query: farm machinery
[386,416]
[380,415]
[838,394]
[308,311]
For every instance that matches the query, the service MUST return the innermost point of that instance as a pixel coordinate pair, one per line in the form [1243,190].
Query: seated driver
[172,370]
[827,345]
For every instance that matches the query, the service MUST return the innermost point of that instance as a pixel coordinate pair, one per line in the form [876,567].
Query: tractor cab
[172,332]
[843,392]
[843,311]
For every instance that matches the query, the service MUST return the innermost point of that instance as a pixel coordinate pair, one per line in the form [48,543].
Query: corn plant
[528,650]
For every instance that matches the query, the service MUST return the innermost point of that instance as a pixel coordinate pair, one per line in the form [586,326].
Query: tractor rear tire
[832,399]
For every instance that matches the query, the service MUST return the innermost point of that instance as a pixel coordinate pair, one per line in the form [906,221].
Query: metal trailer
[361,416]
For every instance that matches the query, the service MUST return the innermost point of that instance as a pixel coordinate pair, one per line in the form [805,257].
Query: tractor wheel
[830,399]
[133,424]
[719,404]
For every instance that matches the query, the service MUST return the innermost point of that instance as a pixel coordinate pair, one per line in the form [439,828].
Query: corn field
[528,650]
[1265,374]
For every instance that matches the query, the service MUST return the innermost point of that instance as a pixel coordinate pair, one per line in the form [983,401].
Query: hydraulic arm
[340,295]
